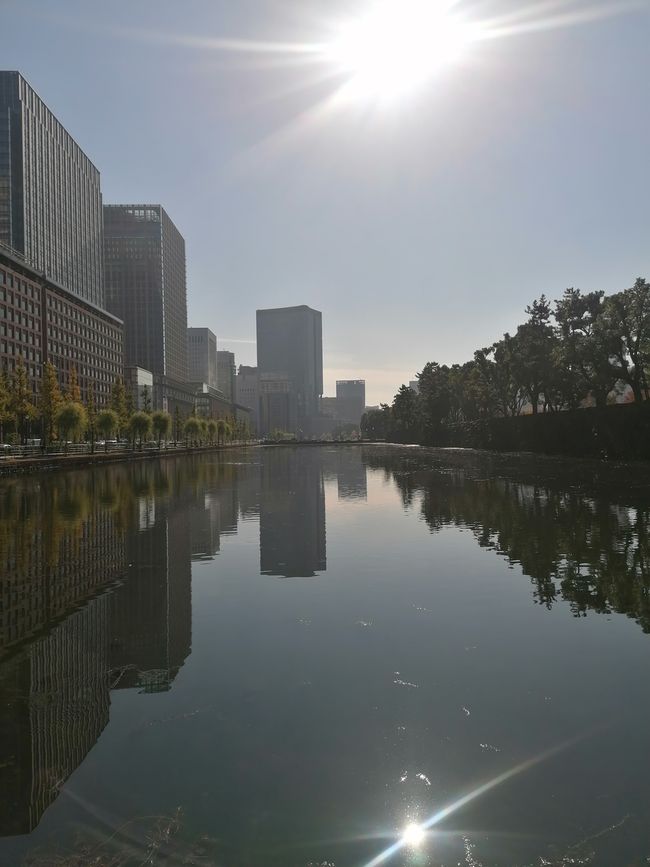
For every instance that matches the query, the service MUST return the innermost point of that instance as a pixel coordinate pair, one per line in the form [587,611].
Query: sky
[421,225]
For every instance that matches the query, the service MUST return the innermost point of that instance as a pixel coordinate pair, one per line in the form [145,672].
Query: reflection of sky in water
[311,721]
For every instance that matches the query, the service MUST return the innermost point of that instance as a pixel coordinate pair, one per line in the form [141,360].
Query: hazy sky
[421,228]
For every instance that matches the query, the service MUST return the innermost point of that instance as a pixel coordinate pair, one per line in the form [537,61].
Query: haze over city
[420,225]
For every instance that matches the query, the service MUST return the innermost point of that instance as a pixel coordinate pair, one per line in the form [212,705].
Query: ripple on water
[405,683]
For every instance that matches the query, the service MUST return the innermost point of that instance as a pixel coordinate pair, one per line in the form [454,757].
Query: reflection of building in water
[292,514]
[55,706]
[58,546]
[352,475]
[151,613]
[345,464]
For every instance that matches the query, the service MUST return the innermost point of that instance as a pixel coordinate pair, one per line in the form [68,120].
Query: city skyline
[524,207]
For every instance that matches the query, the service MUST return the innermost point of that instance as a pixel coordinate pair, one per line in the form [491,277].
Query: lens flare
[413,835]
[397,46]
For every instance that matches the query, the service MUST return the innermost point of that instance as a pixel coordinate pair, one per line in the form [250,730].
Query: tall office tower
[144,261]
[50,198]
[350,400]
[247,389]
[226,372]
[290,365]
[202,356]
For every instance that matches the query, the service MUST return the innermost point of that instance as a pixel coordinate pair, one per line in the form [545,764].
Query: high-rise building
[290,365]
[202,356]
[226,372]
[247,388]
[144,260]
[350,400]
[40,322]
[50,198]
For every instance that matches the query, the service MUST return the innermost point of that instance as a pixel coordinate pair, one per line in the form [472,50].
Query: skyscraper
[290,365]
[144,256]
[350,400]
[202,356]
[50,198]
[226,371]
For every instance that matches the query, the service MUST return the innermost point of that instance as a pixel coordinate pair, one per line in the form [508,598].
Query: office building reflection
[95,585]
[151,612]
[54,707]
[292,514]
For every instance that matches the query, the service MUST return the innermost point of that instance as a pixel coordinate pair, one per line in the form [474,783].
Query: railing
[59,449]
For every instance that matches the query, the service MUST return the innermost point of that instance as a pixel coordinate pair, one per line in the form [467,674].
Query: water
[282,657]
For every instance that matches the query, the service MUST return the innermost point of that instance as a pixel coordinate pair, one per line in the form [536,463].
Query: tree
[73,394]
[118,404]
[107,424]
[71,421]
[496,364]
[532,349]
[139,426]
[91,413]
[146,399]
[212,430]
[435,397]
[627,319]
[162,423]
[406,415]
[586,344]
[5,414]
[375,423]
[21,405]
[192,430]
[50,400]
[177,424]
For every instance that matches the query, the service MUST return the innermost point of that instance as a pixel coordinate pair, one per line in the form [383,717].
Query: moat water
[286,656]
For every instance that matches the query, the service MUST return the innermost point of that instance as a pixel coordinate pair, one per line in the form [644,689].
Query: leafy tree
[139,426]
[587,343]
[21,405]
[162,423]
[212,430]
[118,404]
[406,415]
[435,397]
[146,399]
[107,424]
[192,430]
[177,424]
[71,421]
[91,412]
[375,424]
[627,319]
[50,400]
[533,354]
[497,371]
[73,394]
[5,397]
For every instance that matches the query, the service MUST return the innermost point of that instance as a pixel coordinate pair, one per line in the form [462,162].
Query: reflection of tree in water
[585,540]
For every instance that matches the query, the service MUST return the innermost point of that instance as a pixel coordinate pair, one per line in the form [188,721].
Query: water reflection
[292,514]
[96,597]
[581,532]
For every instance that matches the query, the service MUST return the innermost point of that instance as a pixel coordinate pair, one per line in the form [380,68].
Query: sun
[397,46]
[413,835]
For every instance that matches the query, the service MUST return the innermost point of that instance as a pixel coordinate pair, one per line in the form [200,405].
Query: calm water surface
[282,657]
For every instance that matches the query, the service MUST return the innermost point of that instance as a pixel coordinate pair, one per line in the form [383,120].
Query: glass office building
[50,198]
[290,365]
[144,262]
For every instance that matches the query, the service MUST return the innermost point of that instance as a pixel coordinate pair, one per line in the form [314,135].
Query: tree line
[62,415]
[584,349]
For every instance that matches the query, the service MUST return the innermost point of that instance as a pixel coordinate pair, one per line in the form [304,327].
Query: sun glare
[397,46]
[413,835]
